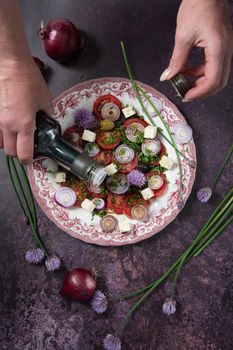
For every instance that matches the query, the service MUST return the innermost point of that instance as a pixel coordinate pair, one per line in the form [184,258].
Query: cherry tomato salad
[131,151]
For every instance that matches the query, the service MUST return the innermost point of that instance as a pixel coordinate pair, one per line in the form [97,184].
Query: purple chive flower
[85,119]
[169,306]
[52,263]
[204,194]
[111,342]
[35,256]
[99,302]
[136,178]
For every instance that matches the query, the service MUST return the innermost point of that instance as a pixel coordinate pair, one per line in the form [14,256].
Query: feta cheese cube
[111,169]
[147,193]
[88,135]
[88,205]
[124,225]
[167,162]
[128,111]
[150,132]
[60,177]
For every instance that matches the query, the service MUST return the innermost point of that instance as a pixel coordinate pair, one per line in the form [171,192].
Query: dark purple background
[33,316]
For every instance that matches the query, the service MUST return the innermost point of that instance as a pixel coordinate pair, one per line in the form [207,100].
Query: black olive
[145,168]
[120,120]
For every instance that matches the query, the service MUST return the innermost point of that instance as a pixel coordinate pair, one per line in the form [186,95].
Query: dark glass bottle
[49,143]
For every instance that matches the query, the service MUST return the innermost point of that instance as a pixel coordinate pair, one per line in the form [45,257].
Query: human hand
[206,24]
[23,92]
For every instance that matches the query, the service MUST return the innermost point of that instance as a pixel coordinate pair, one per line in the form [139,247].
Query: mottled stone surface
[33,316]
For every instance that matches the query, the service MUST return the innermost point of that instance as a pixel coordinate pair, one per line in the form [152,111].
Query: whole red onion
[61,39]
[79,284]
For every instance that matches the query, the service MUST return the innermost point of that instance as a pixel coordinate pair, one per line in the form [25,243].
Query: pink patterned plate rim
[77,222]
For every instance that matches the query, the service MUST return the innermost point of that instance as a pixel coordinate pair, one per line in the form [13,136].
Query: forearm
[13,43]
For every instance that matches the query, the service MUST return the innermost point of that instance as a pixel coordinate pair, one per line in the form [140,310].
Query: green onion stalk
[26,199]
[138,91]
[218,221]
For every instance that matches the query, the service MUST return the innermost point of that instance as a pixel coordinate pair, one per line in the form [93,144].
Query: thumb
[178,60]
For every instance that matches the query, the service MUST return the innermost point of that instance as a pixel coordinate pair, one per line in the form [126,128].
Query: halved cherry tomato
[108,140]
[160,190]
[73,135]
[135,120]
[131,200]
[102,100]
[104,157]
[115,202]
[127,167]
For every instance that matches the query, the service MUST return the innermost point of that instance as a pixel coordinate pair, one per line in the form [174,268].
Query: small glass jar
[180,84]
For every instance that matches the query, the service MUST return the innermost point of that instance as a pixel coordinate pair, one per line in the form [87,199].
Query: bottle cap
[88,169]
[180,84]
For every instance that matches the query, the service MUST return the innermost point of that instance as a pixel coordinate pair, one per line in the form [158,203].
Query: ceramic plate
[76,221]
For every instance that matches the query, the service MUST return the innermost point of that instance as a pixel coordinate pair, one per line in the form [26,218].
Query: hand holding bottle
[23,92]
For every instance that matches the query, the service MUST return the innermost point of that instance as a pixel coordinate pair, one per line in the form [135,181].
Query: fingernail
[165,75]
[186,100]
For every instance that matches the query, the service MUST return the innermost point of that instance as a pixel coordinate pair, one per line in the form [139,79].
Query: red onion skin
[79,284]
[61,39]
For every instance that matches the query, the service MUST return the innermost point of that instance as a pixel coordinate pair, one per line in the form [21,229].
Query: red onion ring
[108,223]
[92,149]
[182,133]
[151,147]
[133,130]
[155,182]
[110,111]
[65,197]
[118,183]
[99,203]
[124,154]
[139,212]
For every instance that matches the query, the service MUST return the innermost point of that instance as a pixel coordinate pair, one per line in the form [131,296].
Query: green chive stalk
[222,167]
[169,133]
[216,225]
[137,91]
[25,199]
[200,241]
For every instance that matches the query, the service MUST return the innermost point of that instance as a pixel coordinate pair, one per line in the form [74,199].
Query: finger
[1,140]
[211,80]
[9,140]
[195,72]
[25,146]
[178,60]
